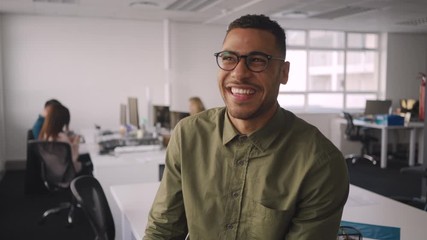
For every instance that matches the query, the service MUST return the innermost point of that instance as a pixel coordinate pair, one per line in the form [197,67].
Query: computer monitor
[374,107]
[161,115]
[123,118]
[133,112]
[176,117]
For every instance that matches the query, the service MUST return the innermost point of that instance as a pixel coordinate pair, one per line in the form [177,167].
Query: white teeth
[242,91]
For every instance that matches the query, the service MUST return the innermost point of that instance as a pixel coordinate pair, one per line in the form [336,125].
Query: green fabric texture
[284,181]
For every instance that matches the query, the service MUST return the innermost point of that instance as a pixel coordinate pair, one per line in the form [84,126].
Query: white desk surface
[134,201]
[363,206]
[125,168]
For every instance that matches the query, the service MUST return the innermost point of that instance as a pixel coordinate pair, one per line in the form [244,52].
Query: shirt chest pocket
[267,222]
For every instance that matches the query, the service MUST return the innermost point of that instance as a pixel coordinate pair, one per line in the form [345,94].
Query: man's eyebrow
[257,52]
[230,51]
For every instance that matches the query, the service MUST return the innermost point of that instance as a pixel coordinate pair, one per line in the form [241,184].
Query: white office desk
[126,168]
[134,201]
[363,206]
[413,128]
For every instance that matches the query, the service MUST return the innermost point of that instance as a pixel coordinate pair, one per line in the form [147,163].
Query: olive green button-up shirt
[284,181]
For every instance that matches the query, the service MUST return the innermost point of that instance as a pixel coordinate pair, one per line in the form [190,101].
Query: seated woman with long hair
[196,105]
[56,128]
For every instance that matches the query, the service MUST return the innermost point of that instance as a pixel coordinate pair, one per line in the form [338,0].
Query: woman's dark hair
[51,102]
[57,120]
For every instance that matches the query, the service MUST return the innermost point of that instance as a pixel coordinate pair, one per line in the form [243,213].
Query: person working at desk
[56,128]
[250,170]
[40,120]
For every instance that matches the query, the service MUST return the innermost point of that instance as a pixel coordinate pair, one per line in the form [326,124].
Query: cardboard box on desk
[390,120]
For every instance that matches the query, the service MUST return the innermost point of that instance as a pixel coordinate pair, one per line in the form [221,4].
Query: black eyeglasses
[255,61]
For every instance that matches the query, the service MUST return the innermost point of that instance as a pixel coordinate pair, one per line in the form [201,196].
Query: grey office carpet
[19,214]
[388,182]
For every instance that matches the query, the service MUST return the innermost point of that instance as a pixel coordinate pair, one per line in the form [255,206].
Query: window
[330,70]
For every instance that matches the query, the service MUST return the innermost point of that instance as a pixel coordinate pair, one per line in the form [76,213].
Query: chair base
[355,157]
[62,206]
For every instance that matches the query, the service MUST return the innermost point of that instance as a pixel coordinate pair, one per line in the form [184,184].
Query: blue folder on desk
[375,231]
[390,120]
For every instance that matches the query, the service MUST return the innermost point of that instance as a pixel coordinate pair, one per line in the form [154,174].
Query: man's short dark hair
[262,22]
[51,102]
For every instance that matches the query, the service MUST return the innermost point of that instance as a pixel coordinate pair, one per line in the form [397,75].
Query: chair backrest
[30,135]
[57,169]
[33,180]
[90,195]
[350,129]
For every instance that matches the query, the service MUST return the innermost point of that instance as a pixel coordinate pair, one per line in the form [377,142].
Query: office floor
[19,213]
[388,182]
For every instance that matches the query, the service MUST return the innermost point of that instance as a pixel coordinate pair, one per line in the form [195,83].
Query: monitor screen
[176,117]
[133,112]
[161,115]
[123,119]
[374,107]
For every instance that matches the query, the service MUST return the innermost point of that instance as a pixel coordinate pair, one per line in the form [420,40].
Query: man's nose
[241,69]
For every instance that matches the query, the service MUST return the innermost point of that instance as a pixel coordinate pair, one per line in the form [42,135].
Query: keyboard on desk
[122,145]
[139,148]
[365,118]
[109,145]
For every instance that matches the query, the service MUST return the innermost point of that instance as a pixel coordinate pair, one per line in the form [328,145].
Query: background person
[56,128]
[195,105]
[250,170]
[40,120]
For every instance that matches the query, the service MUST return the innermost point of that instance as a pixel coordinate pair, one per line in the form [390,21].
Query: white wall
[193,64]
[90,65]
[406,56]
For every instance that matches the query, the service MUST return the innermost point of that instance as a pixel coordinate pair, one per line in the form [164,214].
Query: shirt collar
[263,137]
[229,132]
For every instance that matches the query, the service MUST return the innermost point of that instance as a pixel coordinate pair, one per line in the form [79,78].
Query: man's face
[249,95]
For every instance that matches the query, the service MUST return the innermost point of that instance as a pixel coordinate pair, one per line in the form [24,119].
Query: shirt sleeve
[167,215]
[323,195]
[38,126]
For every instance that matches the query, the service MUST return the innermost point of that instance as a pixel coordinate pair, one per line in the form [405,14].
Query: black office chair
[421,172]
[91,197]
[33,181]
[359,134]
[57,172]
[30,135]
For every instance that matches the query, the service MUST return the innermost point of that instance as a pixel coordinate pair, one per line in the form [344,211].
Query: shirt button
[229,226]
[235,194]
[242,138]
[240,162]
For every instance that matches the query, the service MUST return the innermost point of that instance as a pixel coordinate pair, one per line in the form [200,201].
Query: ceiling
[362,15]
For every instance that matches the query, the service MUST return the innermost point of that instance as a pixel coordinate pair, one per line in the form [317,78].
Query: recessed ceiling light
[143,4]
[291,14]
[415,22]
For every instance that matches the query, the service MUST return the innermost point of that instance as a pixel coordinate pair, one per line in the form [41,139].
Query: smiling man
[250,170]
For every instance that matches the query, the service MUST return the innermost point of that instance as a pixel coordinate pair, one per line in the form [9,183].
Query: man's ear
[285,73]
